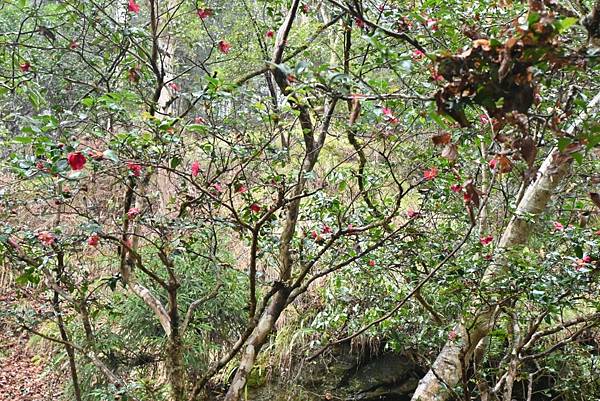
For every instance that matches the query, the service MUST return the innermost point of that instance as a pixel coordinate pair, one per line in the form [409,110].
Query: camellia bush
[181,179]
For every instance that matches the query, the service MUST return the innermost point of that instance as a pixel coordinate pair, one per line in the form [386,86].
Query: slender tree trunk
[175,365]
[63,331]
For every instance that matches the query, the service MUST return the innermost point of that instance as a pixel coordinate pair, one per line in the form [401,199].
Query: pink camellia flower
[417,54]
[25,66]
[436,77]
[204,13]
[76,160]
[432,24]
[360,23]
[327,229]
[486,240]
[133,7]
[314,234]
[587,259]
[199,120]
[430,174]
[133,213]
[270,34]
[195,168]
[457,188]
[218,187]
[493,163]
[254,208]
[135,169]
[387,112]
[94,240]
[224,47]
[484,119]
[46,238]
[412,213]
[372,263]
[174,86]
[452,334]
[558,226]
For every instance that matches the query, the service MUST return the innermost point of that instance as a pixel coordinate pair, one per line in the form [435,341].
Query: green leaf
[563,143]
[563,24]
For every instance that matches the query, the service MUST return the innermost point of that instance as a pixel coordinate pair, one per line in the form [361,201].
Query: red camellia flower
[241,189]
[204,13]
[255,208]
[133,212]
[93,240]
[456,188]
[430,174]
[489,256]
[25,66]
[432,24]
[195,168]
[270,34]
[558,226]
[135,169]
[133,7]
[587,259]
[46,238]
[486,240]
[417,54]
[372,263]
[412,213]
[224,47]
[467,197]
[327,229]
[73,45]
[76,160]
[359,22]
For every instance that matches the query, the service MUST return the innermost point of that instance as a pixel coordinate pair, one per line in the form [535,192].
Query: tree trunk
[255,342]
[447,370]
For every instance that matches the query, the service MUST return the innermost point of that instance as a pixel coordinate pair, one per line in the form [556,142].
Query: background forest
[300,200]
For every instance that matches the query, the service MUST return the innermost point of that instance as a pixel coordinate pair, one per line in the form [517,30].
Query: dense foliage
[195,188]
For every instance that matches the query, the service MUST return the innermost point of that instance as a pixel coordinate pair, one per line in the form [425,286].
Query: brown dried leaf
[442,139]
[504,164]
[450,152]
[472,192]
[595,197]
[528,150]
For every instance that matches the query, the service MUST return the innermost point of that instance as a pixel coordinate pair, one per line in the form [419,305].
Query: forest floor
[24,375]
